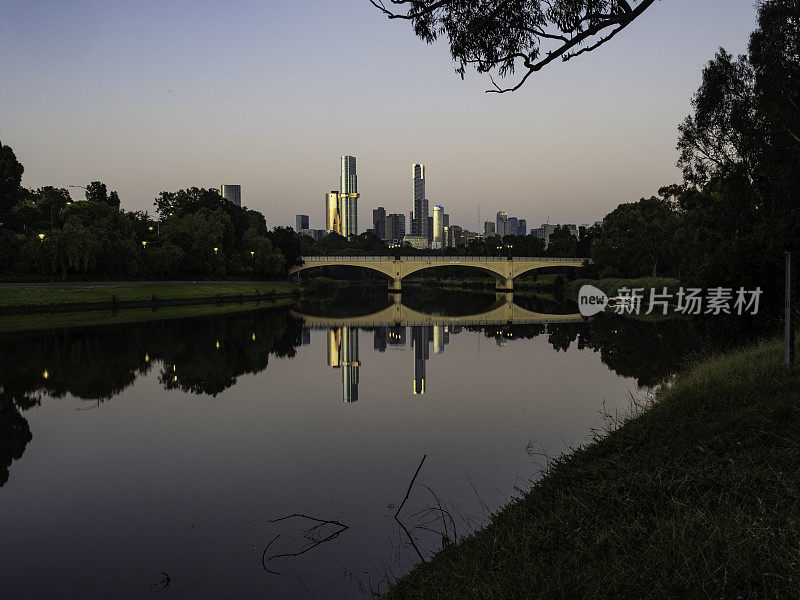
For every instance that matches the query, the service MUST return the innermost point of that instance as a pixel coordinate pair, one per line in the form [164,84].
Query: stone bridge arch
[396,268]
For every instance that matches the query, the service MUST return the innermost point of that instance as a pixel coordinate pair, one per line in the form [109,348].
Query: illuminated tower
[333,221]
[419,213]
[420,339]
[348,197]
[231,193]
[350,364]
[438,228]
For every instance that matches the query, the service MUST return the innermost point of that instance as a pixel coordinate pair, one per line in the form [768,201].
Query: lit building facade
[395,227]
[348,196]
[419,212]
[231,193]
[332,218]
[438,228]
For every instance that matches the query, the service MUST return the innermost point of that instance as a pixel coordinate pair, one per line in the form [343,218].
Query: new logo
[591,300]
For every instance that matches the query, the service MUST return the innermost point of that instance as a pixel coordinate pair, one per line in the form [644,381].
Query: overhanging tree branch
[501,35]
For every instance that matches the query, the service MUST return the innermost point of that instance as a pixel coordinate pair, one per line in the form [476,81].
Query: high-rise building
[454,236]
[522,227]
[430,229]
[379,222]
[334,344]
[512,226]
[300,223]
[419,207]
[395,227]
[489,228]
[350,364]
[231,193]
[420,339]
[438,228]
[333,220]
[348,197]
[502,221]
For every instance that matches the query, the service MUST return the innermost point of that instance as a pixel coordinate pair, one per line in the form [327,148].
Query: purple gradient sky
[150,96]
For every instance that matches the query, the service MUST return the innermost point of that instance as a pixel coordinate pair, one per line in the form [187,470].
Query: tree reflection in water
[197,355]
[205,355]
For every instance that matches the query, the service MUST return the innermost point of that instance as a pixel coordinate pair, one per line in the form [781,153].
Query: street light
[252,253]
[41,236]
[215,249]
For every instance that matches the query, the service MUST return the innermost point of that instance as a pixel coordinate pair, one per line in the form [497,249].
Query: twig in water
[399,508]
[314,541]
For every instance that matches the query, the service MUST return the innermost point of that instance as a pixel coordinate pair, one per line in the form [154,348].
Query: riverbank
[696,497]
[86,318]
[75,297]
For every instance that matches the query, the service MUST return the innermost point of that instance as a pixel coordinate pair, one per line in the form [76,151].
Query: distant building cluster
[424,231]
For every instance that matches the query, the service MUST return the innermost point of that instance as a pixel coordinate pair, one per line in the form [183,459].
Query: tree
[562,242]
[10,178]
[502,35]
[637,239]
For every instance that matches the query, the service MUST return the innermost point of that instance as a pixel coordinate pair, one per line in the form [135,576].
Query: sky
[148,96]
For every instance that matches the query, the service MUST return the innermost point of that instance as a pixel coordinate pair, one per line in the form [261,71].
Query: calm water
[147,460]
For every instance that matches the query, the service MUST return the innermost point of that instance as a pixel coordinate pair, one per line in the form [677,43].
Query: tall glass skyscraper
[348,197]
[438,228]
[231,193]
[333,220]
[419,213]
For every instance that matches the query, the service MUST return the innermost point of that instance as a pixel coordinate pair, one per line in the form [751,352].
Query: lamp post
[144,253]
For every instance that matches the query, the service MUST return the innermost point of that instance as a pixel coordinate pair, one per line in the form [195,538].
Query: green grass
[43,296]
[50,320]
[697,497]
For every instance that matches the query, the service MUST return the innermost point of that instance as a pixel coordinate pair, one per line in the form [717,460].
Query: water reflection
[206,355]
[187,475]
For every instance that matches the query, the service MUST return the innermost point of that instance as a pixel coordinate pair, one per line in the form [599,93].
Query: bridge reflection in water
[390,325]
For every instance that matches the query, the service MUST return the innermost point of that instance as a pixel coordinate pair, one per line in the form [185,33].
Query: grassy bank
[51,320]
[88,296]
[697,497]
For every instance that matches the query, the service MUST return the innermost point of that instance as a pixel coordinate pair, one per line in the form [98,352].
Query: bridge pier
[394,286]
[505,285]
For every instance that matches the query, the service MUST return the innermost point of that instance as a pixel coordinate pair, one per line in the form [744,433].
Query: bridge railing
[443,259]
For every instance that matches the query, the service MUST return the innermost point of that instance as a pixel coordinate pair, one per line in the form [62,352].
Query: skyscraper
[395,227]
[231,193]
[350,364]
[379,222]
[502,221]
[333,221]
[300,223]
[348,197]
[420,339]
[438,228]
[419,212]
[512,226]
[488,228]
[522,227]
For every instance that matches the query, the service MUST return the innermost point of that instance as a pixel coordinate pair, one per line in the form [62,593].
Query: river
[159,459]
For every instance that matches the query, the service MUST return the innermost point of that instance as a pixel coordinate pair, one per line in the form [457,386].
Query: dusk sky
[152,96]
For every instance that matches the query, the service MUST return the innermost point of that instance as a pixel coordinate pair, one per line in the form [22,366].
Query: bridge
[503,311]
[503,269]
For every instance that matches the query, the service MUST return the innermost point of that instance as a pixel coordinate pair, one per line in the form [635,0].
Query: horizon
[151,99]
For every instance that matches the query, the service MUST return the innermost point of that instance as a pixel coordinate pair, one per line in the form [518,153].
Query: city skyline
[147,120]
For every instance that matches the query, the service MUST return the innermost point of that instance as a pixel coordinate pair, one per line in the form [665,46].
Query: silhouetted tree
[506,35]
